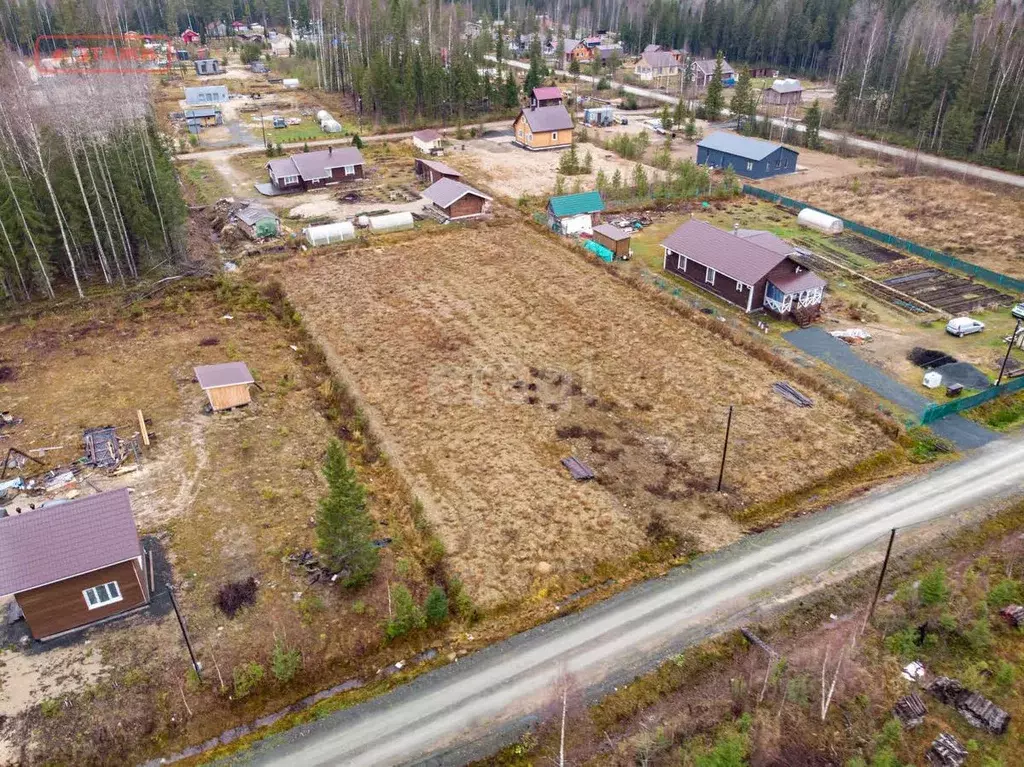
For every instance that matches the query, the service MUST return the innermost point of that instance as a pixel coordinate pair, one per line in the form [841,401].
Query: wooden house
[546,96]
[572,214]
[313,170]
[427,141]
[540,128]
[189,37]
[73,564]
[749,157]
[786,92]
[257,222]
[750,268]
[207,66]
[704,72]
[613,238]
[226,385]
[455,200]
[433,171]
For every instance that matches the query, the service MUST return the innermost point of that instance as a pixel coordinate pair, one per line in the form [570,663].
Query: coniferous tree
[713,100]
[344,529]
[812,123]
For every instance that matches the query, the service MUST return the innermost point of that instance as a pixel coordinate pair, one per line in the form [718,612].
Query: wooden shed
[226,384]
[73,564]
[613,238]
[433,171]
[455,200]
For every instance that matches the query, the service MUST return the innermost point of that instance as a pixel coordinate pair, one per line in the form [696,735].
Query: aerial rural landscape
[509,384]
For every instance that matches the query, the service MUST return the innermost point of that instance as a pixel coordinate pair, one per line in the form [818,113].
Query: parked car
[1018,311]
[964,326]
[280,122]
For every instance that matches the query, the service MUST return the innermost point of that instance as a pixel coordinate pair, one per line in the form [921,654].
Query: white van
[964,326]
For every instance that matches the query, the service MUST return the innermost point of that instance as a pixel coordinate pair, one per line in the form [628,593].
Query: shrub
[407,614]
[1007,591]
[463,603]
[247,678]
[436,606]
[934,590]
[285,662]
[234,596]
[979,635]
[1004,676]
[50,707]
[903,643]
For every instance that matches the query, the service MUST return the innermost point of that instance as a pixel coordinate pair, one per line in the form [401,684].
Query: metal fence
[935,412]
[897,242]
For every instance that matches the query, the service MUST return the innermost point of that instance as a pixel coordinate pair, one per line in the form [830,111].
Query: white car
[964,326]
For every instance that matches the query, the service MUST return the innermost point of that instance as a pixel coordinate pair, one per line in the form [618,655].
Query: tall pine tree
[344,529]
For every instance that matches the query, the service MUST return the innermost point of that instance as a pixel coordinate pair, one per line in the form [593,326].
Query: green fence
[935,412]
[898,242]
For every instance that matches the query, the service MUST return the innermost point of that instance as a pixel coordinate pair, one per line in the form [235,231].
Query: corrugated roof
[612,232]
[574,204]
[318,164]
[786,86]
[253,213]
[427,135]
[733,256]
[547,92]
[652,47]
[440,167]
[550,118]
[446,192]
[741,146]
[58,542]
[707,66]
[224,374]
[786,279]
[659,59]
[766,240]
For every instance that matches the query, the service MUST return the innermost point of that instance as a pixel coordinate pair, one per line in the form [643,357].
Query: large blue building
[749,157]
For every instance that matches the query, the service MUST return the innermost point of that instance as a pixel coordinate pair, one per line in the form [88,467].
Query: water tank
[322,115]
[392,222]
[815,219]
[328,233]
[330,126]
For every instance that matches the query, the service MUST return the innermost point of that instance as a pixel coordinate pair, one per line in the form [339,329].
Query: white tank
[392,222]
[815,219]
[328,233]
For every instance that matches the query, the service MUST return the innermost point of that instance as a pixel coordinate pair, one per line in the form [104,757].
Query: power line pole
[184,632]
[1009,346]
[725,447]
[881,577]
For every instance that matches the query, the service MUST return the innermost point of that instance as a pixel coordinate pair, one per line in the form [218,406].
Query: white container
[290,82]
[330,126]
[322,115]
[329,233]
[815,219]
[932,380]
[392,222]
[363,221]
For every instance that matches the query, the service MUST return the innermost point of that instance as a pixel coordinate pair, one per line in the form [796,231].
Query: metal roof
[445,192]
[575,204]
[314,165]
[707,66]
[785,278]
[253,213]
[732,256]
[54,543]
[547,92]
[786,86]
[440,167]
[196,113]
[427,135]
[741,146]
[612,232]
[652,47]
[550,118]
[659,59]
[224,374]
[766,240]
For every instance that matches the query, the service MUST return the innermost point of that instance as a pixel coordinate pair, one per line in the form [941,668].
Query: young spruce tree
[344,529]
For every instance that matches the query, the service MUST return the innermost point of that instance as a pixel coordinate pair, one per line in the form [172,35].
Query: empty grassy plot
[485,356]
[969,222]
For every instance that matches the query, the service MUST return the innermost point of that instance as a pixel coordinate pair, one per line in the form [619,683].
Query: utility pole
[263,125]
[1009,346]
[184,632]
[881,577]
[725,447]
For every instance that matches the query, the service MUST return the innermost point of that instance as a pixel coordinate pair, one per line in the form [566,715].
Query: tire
[960,334]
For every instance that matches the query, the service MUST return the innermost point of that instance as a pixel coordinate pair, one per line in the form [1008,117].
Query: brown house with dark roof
[750,268]
[613,238]
[432,171]
[73,564]
[313,170]
[456,200]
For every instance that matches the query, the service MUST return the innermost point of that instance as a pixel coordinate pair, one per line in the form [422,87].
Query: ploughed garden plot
[943,290]
[485,356]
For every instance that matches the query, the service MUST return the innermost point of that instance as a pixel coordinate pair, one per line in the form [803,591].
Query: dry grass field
[978,225]
[485,355]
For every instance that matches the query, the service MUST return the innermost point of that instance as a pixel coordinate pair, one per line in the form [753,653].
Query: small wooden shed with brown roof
[226,385]
[73,564]
[433,171]
[456,200]
[613,238]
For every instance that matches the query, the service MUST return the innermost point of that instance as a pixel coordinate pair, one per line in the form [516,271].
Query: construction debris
[852,335]
[314,568]
[1014,615]
[791,394]
[910,710]
[8,421]
[579,470]
[914,671]
[946,751]
[978,710]
[16,459]
[105,450]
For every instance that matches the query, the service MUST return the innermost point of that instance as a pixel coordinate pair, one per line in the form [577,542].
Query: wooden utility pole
[184,632]
[881,577]
[1009,347]
[725,448]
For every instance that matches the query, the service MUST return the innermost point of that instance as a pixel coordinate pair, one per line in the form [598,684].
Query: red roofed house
[432,171]
[750,268]
[73,564]
[546,96]
[189,36]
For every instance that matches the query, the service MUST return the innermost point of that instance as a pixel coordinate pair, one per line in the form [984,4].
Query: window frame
[111,590]
[739,286]
[750,165]
[554,135]
[349,170]
[709,275]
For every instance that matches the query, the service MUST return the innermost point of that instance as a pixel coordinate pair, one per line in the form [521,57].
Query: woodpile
[910,710]
[978,710]
[1014,615]
[947,751]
